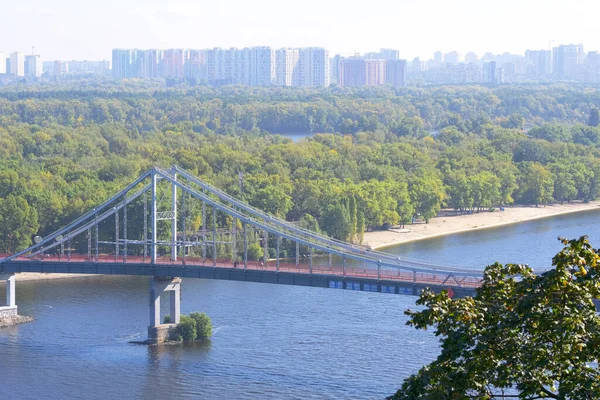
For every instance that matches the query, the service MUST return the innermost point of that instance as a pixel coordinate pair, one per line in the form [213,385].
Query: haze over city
[68,29]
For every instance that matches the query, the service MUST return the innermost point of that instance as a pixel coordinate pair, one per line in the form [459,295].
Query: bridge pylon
[157,331]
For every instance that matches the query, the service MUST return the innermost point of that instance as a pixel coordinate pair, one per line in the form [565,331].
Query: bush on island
[203,325]
[187,328]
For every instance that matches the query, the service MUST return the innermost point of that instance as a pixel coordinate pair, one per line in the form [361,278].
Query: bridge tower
[158,332]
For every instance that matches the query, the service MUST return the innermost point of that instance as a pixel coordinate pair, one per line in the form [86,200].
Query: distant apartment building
[122,60]
[492,74]
[57,68]
[33,67]
[314,65]
[2,64]
[17,64]
[171,65]
[567,60]
[375,72]
[538,63]
[262,66]
[146,63]
[389,54]
[352,72]
[395,73]
[335,65]
[195,66]
[287,69]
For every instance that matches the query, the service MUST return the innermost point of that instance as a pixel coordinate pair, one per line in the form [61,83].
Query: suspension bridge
[169,225]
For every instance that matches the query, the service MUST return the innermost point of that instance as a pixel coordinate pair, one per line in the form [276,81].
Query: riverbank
[446,223]
[35,276]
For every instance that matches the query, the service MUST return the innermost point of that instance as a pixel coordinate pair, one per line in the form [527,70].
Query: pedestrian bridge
[168,223]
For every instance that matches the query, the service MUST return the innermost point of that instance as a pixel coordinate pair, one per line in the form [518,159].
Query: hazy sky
[89,29]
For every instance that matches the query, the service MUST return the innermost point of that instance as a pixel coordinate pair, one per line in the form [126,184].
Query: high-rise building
[352,72]
[492,74]
[122,63]
[335,66]
[389,54]
[374,72]
[33,66]
[313,65]
[195,66]
[2,63]
[17,64]
[58,68]
[539,63]
[417,66]
[568,60]
[438,57]
[7,65]
[287,70]
[262,66]
[172,63]
[146,63]
[395,73]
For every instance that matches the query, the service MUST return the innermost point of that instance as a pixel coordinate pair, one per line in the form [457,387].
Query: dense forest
[381,156]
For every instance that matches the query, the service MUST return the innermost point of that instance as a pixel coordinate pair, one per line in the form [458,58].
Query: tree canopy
[522,335]
[393,155]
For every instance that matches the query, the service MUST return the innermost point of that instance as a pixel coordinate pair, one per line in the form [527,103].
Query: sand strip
[446,223]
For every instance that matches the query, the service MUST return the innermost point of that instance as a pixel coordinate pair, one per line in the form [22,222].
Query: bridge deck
[355,278]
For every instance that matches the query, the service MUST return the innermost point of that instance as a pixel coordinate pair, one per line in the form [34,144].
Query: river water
[270,341]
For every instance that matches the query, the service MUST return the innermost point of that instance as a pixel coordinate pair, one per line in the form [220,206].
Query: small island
[12,318]
[195,327]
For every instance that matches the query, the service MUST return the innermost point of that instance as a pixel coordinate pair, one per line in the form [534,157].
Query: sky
[90,29]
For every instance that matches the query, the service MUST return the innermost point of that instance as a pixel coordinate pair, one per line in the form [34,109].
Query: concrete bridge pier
[158,332]
[11,305]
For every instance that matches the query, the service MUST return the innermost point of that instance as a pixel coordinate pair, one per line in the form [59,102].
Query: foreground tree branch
[537,336]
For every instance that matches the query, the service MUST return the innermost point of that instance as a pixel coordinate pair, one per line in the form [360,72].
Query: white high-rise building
[17,64]
[314,67]
[262,66]
[2,63]
[33,67]
[286,64]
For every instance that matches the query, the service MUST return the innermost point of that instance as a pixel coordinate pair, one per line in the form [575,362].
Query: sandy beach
[447,223]
[35,276]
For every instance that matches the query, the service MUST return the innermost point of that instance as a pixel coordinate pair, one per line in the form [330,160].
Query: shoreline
[38,276]
[446,223]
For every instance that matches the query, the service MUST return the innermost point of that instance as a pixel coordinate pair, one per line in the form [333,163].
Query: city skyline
[70,30]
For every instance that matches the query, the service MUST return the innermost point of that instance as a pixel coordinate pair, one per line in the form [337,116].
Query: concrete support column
[154,304]
[175,305]
[10,291]
[158,286]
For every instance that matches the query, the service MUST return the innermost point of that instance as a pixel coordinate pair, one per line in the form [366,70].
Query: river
[270,341]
